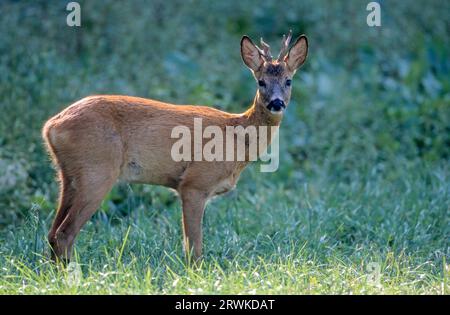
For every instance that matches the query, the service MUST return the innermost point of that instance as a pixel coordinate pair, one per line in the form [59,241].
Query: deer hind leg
[66,196]
[91,186]
[89,161]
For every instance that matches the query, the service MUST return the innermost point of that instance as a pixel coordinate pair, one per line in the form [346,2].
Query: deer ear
[250,54]
[297,54]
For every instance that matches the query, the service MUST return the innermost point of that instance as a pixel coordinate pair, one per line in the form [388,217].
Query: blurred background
[366,136]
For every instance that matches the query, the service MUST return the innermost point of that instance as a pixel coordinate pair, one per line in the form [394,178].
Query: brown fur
[101,139]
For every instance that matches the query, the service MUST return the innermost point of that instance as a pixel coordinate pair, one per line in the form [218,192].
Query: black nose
[276,105]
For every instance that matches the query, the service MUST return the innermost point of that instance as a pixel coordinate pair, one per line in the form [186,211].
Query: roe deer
[101,139]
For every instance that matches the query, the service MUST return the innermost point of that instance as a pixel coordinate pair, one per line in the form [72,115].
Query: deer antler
[265,51]
[284,46]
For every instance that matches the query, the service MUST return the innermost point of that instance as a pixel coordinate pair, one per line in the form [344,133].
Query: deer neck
[257,115]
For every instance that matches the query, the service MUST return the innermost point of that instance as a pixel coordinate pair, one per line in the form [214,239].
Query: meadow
[359,204]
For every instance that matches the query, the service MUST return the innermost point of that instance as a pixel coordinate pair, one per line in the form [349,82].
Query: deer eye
[288,82]
[262,83]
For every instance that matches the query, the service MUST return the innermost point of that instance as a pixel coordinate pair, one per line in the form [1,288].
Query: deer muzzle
[276,105]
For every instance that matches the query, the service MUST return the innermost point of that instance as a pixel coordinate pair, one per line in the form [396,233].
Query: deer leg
[193,202]
[87,198]
[66,195]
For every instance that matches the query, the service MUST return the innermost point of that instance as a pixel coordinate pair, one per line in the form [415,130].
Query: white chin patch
[277,112]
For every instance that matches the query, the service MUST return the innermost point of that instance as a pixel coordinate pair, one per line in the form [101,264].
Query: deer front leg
[193,202]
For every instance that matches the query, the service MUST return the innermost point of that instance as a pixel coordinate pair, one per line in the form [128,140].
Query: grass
[363,184]
[277,240]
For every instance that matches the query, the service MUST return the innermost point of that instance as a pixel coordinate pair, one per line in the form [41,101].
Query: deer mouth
[276,106]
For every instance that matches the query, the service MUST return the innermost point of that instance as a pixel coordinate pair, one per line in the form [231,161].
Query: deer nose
[276,105]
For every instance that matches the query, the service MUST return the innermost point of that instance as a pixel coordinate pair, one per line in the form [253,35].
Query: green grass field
[359,204]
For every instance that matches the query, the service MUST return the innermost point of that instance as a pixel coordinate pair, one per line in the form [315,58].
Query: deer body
[101,139]
[135,133]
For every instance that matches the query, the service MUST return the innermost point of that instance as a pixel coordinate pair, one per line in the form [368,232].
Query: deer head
[274,76]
